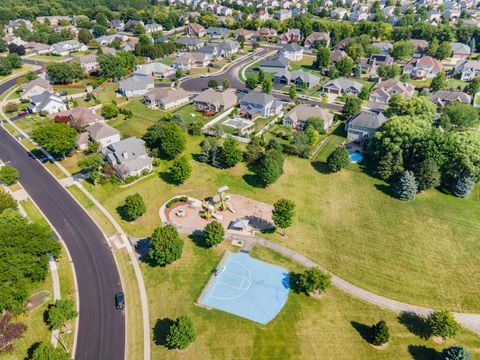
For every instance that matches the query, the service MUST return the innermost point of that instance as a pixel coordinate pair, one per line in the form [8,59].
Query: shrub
[9,175]
[109,111]
[175,200]
[181,333]
[11,107]
[443,324]
[338,159]
[213,233]
[379,334]
[134,207]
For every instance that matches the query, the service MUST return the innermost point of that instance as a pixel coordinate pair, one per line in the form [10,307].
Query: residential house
[188,61]
[274,63]
[384,90]
[53,20]
[371,65]
[64,48]
[153,28]
[46,102]
[384,47]
[136,85]
[217,32]
[282,14]
[193,29]
[34,88]
[297,77]
[88,62]
[108,39]
[117,24]
[337,55]
[339,13]
[227,48]
[451,14]
[103,134]
[315,37]
[246,34]
[342,86]
[443,98]
[258,104]
[267,33]
[12,39]
[78,117]
[37,48]
[297,118]
[357,16]
[342,45]
[421,47]
[292,51]
[190,43]
[130,24]
[460,51]
[130,45]
[262,15]
[292,35]
[108,51]
[425,67]
[469,69]
[471,23]
[213,101]
[362,126]
[155,69]
[72,29]
[166,98]
[18,23]
[128,157]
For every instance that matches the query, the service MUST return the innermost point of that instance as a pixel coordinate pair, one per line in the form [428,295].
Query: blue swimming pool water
[249,288]
[355,156]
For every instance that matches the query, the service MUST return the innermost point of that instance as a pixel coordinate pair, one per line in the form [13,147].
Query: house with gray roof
[342,86]
[155,69]
[46,102]
[136,85]
[213,101]
[102,133]
[35,87]
[258,104]
[128,157]
[460,51]
[384,47]
[274,63]
[64,48]
[88,62]
[297,118]
[469,69]
[190,43]
[362,126]
[166,98]
[297,77]
[443,98]
[217,32]
[292,51]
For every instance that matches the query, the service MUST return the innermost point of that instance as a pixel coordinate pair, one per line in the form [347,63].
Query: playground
[236,213]
[247,287]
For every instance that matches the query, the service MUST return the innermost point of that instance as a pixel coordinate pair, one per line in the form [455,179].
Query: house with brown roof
[443,98]
[37,48]
[425,67]
[35,87]
[102,133]
[292,35]
[337,55]
[317,37]
[88,62]
[166,98]
[246,34]
[188,61]
[213,101]
[342,45]
[267,33]
[421,47]
[297,118]
[194,29]
[79,117]
[385,89]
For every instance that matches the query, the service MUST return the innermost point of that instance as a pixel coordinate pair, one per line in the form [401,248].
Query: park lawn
[423,252]
[305,328]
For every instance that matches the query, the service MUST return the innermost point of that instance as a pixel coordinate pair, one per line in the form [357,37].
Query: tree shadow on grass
[121,211]
[421,352]
[320,166]
[416,324]
[167,177]
[362,329]
[295,282]
[198,239]
[386,189]
[160,331]
[31,349]
[253,181]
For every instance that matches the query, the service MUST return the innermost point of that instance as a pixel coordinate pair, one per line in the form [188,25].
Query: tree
[426,174]
[456,352]
[282,214]
[99,30]
[314,280]
[231,154]
[166,246]
[402,50]
[5,67]
[251,83]
[212,83]
[213,233]
[181,333]
[442,323]
[109,110]
[65,73]
[463,185]
[444,50]
[338,159]
[7,201]
[171,140]
[414,106]
[379,334]
[10,332]
[439,82]
[91,164]
[180,170]
[9,175]
[59,313]
[364,93]
[344,66]
[267,85]
[323,58]
[84,36]
[46,351]
[270,167]
[386,72]
[473,86]
[116,66]
[406,187]
[352,107]
[15,59]
[460,115]
[134,207]
[292,92]
[317,123]
[390,165]
[226,84]
[56,138]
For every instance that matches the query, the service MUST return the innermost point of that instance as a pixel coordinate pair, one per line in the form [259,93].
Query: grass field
[424,252]
[305,328]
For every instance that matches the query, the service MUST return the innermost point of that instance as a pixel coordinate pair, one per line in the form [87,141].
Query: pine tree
[406,187]
[379,334]
[390,165]
[205,152]
[463,185]
[216,156]
[456,352]
[426,174]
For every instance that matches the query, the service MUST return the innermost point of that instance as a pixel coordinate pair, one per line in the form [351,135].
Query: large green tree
[402,50]
[443,324]
[134,207]
[231,153]
[9,175]
[270,167]
[168,138]
[56,138]
[166,246]
[379,334]
[46,351]
[213,233]
[116,66]
[180,170]
[283,212]
[59,313]
[65,73]
[181,333]
[323,58]
[338,159]
[426,174]
[460,115]
[314,280]
[352,107]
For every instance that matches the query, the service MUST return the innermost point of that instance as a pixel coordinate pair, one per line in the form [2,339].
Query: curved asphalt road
[101,331]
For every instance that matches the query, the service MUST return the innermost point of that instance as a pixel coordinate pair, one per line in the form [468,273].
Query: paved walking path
[469,321]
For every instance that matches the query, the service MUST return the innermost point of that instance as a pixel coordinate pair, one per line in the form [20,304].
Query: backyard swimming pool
[355,156]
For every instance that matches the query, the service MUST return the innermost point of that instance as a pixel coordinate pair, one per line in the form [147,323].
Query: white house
[46,102]
[155,69]
[136,85]
[292,51]
[469,69]
[66,47]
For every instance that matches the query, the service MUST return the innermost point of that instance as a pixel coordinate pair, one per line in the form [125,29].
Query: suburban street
[101,331]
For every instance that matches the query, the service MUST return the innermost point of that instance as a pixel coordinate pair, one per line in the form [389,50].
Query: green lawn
[47,58]
[186,114]
[424,252]
[69,90]
[305,328]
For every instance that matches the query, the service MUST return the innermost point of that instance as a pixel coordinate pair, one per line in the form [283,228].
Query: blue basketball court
[247,287]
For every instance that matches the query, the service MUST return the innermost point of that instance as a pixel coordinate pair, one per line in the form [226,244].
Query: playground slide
[217,216]
[229,207]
